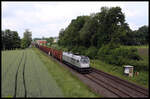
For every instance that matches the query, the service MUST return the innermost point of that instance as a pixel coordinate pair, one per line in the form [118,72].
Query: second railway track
[118,86]
[140,91]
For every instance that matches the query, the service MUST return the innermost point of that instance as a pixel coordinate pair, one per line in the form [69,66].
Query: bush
[74,50]
[64,49]
[118,56]
[82,50]
[139,65]
[133,54]
[91,52]
[104,50]
[126,53]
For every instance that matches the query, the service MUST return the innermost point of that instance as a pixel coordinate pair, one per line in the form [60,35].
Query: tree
[88,31]
[61,35]
[37,39]
[137,37]
[143,35]
[50,40]
[23,43]
[16,40]
[10,39]
[3,40]
[102,28]
[27,38]
[70,36]
[111,21]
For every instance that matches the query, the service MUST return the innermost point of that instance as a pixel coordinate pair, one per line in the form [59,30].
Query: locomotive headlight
[85,65]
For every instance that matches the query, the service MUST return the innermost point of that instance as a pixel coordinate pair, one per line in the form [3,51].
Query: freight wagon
[78,62]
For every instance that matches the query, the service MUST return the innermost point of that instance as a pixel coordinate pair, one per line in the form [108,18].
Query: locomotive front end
[85,65]
[84,62]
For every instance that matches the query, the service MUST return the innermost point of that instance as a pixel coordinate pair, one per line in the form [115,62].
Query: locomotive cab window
[85,60]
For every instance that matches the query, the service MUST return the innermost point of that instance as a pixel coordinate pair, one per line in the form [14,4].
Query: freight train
[79,63]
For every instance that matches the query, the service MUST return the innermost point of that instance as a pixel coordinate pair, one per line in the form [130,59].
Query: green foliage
[49,40]
[101,28]
[79,50]
[137,37]
[94,30]
[121,56]
[143,35]
[23,44]
[37,39]
[74,49]
[26,40]
[70,36]
[82,50]
[88,31]
[10,39]
[139,65]
[91,52]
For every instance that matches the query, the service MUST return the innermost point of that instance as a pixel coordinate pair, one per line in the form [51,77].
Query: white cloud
[133,26]
[47,18]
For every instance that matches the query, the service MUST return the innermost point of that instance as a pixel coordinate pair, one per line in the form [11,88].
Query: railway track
[107,85]
[117,86]
[140,91]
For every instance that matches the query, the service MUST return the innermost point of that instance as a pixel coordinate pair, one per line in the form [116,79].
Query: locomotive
[79,63]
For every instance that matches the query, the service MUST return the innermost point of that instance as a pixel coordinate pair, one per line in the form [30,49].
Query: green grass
[136,46]
[39,82]
[70,85]
[10,61]
[142,79]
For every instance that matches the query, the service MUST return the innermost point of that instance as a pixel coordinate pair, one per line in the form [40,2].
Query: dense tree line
[101,28]
[94,30]
[10,39]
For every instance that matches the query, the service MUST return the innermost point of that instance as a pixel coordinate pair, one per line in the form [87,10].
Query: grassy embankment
[70,85]
[141,79]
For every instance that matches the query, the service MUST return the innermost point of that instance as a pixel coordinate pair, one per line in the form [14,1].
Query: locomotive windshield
[84,59]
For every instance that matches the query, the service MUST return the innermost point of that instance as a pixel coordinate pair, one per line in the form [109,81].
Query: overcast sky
[45,19]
